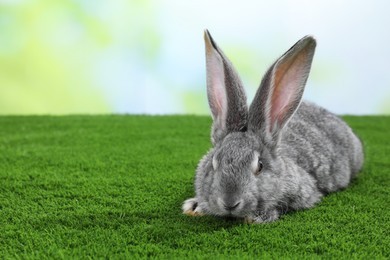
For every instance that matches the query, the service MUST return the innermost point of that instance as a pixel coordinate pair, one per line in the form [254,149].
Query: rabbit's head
[245,163]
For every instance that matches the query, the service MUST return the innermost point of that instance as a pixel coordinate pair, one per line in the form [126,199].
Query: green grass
[112,186]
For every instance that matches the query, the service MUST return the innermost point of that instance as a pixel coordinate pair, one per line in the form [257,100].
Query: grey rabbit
[279,155]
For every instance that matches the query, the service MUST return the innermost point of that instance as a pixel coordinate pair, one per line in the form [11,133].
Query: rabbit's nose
[231,207]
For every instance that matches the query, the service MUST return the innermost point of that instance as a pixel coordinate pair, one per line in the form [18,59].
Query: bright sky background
[147,57]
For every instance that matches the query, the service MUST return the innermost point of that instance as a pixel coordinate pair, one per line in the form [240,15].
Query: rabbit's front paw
[190,208]
[264,217]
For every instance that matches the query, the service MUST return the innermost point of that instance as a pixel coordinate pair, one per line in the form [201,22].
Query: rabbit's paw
[190,208]
[265,217]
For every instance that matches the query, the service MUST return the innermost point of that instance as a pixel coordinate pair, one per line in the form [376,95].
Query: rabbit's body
[323,145]
[278,155]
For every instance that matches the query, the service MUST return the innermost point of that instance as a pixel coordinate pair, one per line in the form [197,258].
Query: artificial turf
[112,187]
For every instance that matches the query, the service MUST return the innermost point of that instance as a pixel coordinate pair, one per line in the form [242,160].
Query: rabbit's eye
[259,167]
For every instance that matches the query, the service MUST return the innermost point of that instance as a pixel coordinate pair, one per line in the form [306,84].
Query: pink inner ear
[216,85]
[218,94]
[287,83]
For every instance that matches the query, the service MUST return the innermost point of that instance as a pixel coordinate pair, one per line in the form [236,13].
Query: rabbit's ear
[226,95]
[281,90]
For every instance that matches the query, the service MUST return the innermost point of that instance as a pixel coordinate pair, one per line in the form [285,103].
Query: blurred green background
[147,57]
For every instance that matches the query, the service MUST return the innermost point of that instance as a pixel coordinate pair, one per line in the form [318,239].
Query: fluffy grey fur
[278,155]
